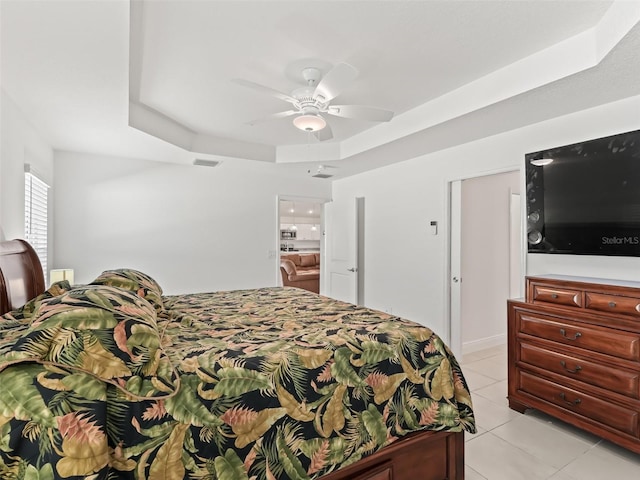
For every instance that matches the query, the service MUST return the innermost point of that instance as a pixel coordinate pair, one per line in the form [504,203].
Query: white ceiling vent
[321,173]
[206,163]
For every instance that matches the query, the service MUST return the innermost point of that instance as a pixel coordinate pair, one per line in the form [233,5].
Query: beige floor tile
[604,461]
[482,354]
[496,392]
[613,449]
[471,436]
[511,446]
[490,415]
[492,367]
[476,380]
[471,474]
[561,476]
[564,427]
[496,459]
[551,446]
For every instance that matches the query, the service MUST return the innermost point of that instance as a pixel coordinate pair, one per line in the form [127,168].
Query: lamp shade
[310,122]
[60,274]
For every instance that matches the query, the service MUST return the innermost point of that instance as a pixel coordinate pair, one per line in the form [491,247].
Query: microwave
[287,234]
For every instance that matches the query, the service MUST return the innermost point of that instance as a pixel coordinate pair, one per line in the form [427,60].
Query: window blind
[35,216]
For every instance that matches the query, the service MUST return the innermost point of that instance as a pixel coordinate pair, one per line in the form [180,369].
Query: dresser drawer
[598,339]
[615,416]
[559,296]
[613,303]
[618,380]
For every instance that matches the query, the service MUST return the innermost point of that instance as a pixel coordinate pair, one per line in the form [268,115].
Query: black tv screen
[586,200]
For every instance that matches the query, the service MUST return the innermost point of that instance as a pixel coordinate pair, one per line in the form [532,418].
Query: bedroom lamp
[59,274]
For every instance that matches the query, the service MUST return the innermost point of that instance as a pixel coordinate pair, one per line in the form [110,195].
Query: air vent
[206,163]
[320,173]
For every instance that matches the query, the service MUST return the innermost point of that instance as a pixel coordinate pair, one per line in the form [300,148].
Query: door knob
[353,269]
[456,279]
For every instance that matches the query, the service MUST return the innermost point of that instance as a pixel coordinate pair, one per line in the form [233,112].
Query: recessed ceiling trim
[314,152]
[228,147]
[160,126]
[576,54]
[154,123]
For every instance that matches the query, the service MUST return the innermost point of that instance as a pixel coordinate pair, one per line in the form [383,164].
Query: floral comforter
[113,380]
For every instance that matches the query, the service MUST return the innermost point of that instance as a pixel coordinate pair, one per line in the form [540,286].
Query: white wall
[20,143]
[191,228]
[406,267]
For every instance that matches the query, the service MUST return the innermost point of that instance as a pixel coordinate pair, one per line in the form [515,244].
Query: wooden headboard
[21,276]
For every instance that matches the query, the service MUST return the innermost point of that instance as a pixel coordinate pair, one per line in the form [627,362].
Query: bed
[113,379]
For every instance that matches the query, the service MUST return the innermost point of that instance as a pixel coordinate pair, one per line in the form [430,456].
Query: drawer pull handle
[575,370]
[612,304]
[576,336]
[574,403]
[554,295]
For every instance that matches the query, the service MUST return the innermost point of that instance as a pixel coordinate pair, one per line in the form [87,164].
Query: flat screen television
[584,199]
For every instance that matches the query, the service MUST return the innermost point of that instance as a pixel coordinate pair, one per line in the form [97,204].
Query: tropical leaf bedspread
[114,380]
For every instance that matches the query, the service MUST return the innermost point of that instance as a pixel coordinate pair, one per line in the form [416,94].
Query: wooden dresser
[574,353]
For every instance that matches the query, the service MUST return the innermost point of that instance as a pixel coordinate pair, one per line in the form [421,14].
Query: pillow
[307,260]
[135,281]
[98,330]
[26,311]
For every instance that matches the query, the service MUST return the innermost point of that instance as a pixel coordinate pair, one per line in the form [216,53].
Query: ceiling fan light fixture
[309,122]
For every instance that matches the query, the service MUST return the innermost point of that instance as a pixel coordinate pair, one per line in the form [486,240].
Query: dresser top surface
[592,280]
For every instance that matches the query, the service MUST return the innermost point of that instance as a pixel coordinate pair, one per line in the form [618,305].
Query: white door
[341,279]
[515,247]
[485,258]
[454,280]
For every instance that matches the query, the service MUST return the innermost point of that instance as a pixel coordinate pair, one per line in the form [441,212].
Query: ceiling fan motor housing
[311,75]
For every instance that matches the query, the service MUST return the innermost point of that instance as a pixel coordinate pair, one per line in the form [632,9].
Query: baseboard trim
[484,343]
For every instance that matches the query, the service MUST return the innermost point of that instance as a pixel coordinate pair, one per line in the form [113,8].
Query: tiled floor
[512,446]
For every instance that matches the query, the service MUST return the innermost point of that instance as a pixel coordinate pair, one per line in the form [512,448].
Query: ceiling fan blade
[275,116]
[361,112]
[335,81]
[262,89]
[324,134]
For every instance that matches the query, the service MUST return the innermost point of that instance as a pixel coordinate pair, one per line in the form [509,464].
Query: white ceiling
[306,212]
[87,73]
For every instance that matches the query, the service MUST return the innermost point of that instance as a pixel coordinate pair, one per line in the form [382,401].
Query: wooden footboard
[420,456]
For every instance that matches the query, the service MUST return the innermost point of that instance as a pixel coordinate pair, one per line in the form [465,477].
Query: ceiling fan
[314,100]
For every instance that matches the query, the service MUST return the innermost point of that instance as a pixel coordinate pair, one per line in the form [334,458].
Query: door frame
[452,312]
[298,198]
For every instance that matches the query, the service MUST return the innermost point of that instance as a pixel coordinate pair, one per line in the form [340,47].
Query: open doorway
[486,258]
[300,240]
